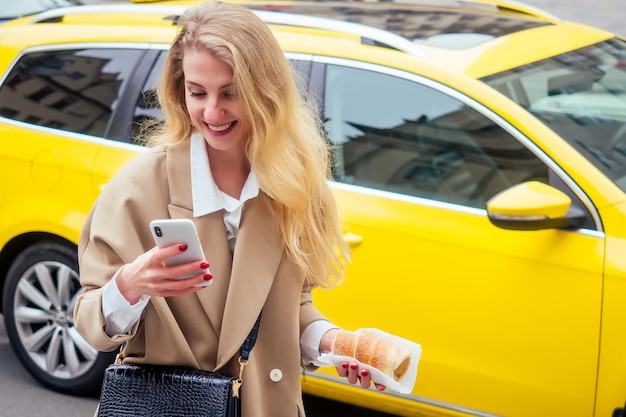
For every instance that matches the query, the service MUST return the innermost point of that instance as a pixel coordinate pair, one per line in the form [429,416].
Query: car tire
[40,292]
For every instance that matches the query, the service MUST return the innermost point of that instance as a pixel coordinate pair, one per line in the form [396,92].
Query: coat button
[276,375]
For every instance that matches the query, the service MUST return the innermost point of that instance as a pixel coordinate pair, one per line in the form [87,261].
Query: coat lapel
[240,284]
[210,229]
[257,256]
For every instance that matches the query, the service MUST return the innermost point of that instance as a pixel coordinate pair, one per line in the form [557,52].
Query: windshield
[581,95]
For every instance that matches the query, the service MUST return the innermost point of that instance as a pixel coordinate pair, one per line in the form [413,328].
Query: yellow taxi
[480,169]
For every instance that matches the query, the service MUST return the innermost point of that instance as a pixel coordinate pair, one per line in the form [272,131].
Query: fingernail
[364,373]
[354,366]
[208,277]
[204,265]
[344,365]
[182,248]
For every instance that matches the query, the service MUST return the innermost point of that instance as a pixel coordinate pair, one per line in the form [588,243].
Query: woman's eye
[195,94]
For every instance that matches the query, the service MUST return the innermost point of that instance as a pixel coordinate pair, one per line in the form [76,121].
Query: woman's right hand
[148,275]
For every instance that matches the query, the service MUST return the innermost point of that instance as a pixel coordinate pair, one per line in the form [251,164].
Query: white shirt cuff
[310,341]
[119,315]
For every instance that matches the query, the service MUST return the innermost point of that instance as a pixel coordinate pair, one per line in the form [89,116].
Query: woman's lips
[221,129]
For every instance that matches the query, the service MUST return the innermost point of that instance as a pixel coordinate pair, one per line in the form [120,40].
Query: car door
[508,320]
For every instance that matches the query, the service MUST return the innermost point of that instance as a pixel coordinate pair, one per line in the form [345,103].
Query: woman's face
[211,102]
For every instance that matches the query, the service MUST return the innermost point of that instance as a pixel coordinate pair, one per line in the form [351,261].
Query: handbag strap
[248,344]
[246,348]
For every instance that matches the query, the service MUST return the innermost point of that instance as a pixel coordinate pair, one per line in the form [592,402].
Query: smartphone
[167,232]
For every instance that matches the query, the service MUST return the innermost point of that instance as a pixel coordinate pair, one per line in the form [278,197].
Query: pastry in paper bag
[392,361]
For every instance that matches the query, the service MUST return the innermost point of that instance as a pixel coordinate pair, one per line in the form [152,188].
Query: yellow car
[480,169]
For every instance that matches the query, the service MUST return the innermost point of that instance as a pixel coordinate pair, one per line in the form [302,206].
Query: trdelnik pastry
[369,347]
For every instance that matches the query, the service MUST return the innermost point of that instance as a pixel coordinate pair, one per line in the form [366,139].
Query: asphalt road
[22,396]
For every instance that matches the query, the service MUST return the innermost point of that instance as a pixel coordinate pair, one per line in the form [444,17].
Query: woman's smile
[222,129]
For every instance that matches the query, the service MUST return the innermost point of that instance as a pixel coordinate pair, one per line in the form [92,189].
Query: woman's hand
[351,371]
[148,275]
[348,370]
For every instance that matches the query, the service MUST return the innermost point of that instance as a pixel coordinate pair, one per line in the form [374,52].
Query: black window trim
[122,119]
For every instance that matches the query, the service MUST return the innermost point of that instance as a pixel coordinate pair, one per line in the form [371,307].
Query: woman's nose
[212,109]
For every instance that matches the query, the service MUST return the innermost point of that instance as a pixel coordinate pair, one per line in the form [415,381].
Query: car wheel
[40,292]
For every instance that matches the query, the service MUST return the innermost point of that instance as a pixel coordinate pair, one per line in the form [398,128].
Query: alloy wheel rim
[43,313]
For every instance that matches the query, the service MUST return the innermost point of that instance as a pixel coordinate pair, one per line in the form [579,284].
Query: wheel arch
[16,245]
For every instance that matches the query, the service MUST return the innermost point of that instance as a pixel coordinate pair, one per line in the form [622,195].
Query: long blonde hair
[286,146]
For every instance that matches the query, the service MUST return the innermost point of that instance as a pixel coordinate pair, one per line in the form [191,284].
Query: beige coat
[206,329]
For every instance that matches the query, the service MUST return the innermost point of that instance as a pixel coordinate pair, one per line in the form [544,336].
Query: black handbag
[168,391]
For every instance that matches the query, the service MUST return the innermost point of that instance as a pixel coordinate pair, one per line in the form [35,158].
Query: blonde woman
[242,155]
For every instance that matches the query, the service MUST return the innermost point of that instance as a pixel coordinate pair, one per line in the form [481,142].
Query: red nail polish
[182,248]
[204,265]
[208,277]
[354,366]
[344,365]
[364,373]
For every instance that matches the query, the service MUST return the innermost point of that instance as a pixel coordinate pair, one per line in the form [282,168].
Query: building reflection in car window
[73,90]
[581,95]
[398,135]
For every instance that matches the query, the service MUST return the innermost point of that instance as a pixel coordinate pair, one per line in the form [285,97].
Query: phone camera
[157,231]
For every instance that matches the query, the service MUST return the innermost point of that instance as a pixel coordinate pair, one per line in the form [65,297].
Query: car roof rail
[369,35]
[57,14]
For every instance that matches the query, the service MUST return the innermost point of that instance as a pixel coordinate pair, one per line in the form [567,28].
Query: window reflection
[397,135]
[71,90]
[581,95]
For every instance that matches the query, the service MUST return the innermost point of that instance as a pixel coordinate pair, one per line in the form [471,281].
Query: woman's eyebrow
[193,83]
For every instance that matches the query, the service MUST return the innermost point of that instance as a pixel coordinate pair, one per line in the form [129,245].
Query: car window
[398,135]
[581,95]
[74,90]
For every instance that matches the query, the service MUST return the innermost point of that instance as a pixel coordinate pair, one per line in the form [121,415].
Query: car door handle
[352,239]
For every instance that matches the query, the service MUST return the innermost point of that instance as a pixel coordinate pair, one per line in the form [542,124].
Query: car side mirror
[533,205]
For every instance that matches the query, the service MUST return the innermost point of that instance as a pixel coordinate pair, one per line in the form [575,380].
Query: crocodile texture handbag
[166,391]
[146,390]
